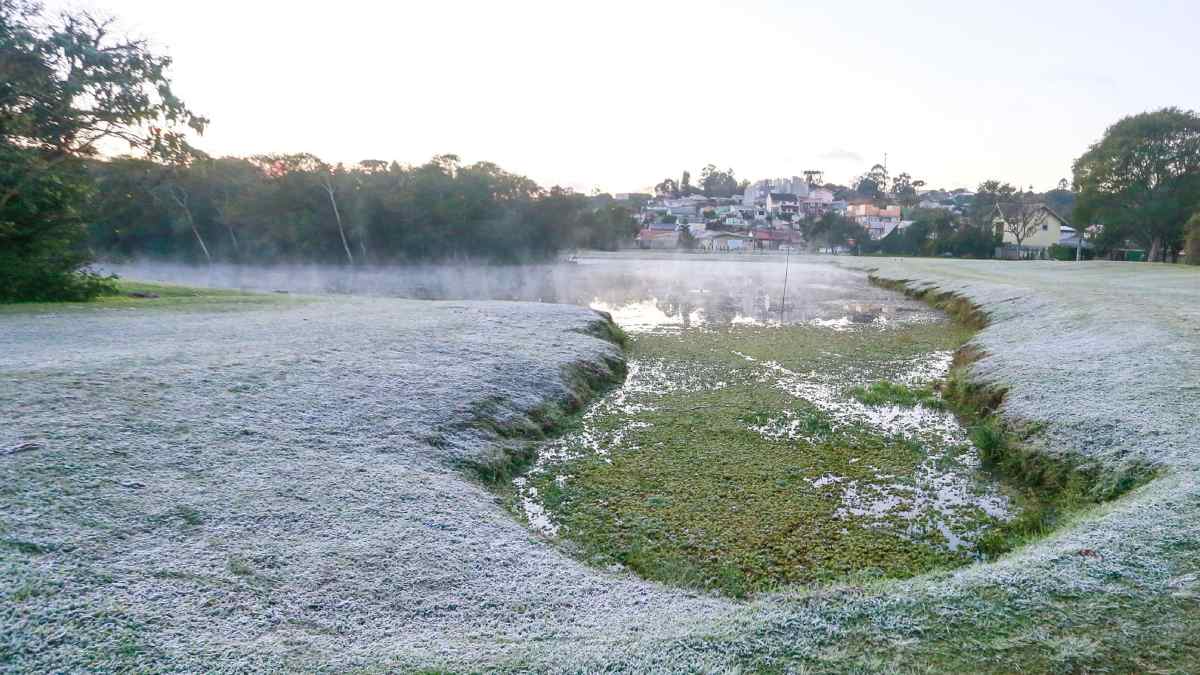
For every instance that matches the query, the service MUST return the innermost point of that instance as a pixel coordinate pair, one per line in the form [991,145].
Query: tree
[1022,216]
[68,86]
[1192,248]
[180,198]
[327,177]
[873,184]
[717,183]
[989,195]
[231,180]
[1143,176]
[834,230]
[905,189]
[1061,200]
[667,188]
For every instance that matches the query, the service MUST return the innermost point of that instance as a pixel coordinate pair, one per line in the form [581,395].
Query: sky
[620,94]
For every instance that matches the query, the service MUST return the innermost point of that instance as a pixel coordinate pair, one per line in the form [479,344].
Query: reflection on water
[642,293]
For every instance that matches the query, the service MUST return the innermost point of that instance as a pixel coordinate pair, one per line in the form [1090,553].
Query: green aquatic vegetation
[891,393]
[710,474]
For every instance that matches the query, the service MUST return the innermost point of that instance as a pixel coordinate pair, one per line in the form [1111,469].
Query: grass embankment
[708,473]
[1054,486]
[516,433]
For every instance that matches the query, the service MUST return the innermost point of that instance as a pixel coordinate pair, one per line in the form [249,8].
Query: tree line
[277,208]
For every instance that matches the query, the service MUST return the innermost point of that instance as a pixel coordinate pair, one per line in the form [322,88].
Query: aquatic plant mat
[749,457]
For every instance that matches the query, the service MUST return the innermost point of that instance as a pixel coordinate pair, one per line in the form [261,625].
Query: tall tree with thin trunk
[327,182]
[180,197]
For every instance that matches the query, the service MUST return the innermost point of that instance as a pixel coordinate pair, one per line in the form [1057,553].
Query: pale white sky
[622,93]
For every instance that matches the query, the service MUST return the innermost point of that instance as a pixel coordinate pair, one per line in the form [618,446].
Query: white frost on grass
[829,393]
[942,493]
[312,520]
[937,496]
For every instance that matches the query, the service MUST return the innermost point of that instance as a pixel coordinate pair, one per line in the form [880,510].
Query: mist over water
[641,291]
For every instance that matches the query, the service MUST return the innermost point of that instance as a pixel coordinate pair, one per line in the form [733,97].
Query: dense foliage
[297,208]
[68,88]
[1141,181]
[938,232]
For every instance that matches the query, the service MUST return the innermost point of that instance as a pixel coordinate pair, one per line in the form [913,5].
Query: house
[818,202]
[658,239]
[879,222]
[1044,228]
[783,204]
[771,240]
[724,241]
[946,205]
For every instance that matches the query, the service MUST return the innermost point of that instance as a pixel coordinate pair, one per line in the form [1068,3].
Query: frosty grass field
[264,482]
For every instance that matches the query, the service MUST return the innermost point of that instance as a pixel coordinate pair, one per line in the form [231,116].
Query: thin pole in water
[783,302]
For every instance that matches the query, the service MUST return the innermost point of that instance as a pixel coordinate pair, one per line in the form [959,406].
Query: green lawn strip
[145,295]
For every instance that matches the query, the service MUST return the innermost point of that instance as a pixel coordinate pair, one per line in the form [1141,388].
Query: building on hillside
[783,204]
[658,239]
[817,203]
[879,222]
[945,205]
[716,241]
[770,239]
[774,197]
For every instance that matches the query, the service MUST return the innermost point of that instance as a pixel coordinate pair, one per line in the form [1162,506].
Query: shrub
[42,251]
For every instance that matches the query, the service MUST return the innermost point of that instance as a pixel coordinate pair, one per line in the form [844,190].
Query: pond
[780,421]
[641,290]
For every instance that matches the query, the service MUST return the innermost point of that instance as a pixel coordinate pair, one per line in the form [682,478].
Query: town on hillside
[875,215]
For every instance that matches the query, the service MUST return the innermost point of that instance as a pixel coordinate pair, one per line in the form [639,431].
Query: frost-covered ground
[274,487]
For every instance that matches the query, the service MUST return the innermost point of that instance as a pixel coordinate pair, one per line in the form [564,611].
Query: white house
[782,203]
